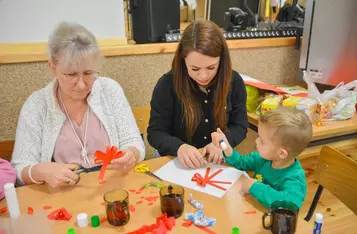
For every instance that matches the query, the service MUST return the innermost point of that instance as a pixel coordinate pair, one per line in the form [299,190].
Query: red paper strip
[102,203]
[139,202]
[3,210]
[220,182]
[205,179]
[29,210]
[205,229]
[103,220]
[150,204]
[106,158]
[47,207]
[250,212]
[132,190]
[214,174]
[103,182]
[217,186]
[132,208]
[138,192]
[142,197]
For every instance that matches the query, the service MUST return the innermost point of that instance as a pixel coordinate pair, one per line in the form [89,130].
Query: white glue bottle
[11,200]
[318,223]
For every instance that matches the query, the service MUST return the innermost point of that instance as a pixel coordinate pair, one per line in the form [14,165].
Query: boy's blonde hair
[294,129]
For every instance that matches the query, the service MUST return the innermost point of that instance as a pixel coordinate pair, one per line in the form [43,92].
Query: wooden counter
[33,52]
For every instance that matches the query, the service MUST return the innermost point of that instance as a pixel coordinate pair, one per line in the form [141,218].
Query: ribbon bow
[202,181]
[106,158]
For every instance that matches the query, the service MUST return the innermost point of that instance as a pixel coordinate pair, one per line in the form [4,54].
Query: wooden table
[87,196]
[341,135]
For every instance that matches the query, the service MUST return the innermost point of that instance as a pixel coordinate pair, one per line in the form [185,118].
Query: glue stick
[318,223]
[223,144]
[11,200]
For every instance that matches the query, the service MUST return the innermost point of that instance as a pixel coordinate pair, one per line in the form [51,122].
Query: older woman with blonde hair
[76,114]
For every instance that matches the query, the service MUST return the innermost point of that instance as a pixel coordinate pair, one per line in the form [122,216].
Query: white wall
[34,20]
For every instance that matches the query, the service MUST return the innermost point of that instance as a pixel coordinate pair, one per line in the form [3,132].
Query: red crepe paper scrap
[153,198]
[47,207]
[29,210]
[60,214]
[138,192]
[132,190]
[132,208]
[162,226]
[102,203]
[250,212]
[103,182]
[142,197]
[203,181]
[3,210]
[188,223]
[106,158]
[103,220]
[142,188]
[151,203]
[139,202]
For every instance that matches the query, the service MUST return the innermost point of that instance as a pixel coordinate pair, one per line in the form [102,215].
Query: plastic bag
[345,97]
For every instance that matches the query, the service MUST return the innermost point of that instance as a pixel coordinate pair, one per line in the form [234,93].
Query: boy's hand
[217,137]
[246,183]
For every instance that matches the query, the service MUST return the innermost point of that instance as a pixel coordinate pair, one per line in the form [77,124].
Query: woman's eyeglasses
[88,76]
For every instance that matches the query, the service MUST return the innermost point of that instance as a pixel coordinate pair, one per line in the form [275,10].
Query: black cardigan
[167,128]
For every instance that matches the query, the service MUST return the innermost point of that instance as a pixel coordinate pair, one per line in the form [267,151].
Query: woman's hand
[127,161]
[214,153]
[56,175]
[190,157]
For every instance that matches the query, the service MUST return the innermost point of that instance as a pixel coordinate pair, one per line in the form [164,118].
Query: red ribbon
[106,158]
[202,181]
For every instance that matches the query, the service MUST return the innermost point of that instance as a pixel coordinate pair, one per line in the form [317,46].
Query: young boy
[283,134]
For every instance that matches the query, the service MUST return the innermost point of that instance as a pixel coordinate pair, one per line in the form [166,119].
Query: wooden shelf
[33,52]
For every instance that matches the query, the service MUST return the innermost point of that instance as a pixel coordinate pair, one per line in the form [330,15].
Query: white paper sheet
[174,172]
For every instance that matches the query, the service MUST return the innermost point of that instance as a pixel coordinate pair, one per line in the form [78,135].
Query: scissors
[144,168]
[80,170]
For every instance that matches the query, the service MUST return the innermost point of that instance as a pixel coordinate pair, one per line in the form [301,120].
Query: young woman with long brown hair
[199,94]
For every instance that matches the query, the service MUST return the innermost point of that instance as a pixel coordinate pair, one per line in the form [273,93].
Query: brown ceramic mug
[284,216]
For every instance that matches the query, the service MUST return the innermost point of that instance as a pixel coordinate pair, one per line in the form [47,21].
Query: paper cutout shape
[202,181]
[132,208]
[106,158]
[3,210]
[29,210]
[60,214]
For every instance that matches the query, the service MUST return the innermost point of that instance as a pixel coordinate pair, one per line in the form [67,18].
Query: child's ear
[283,153]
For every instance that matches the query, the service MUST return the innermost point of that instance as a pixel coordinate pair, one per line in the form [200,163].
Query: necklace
[84,153]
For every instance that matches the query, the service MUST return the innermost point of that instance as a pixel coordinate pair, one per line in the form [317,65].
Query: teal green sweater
[287,184]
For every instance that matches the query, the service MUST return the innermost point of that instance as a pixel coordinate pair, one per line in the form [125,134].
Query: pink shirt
[7,175]
[68,149]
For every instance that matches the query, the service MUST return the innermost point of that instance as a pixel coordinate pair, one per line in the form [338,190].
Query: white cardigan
[41,120]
